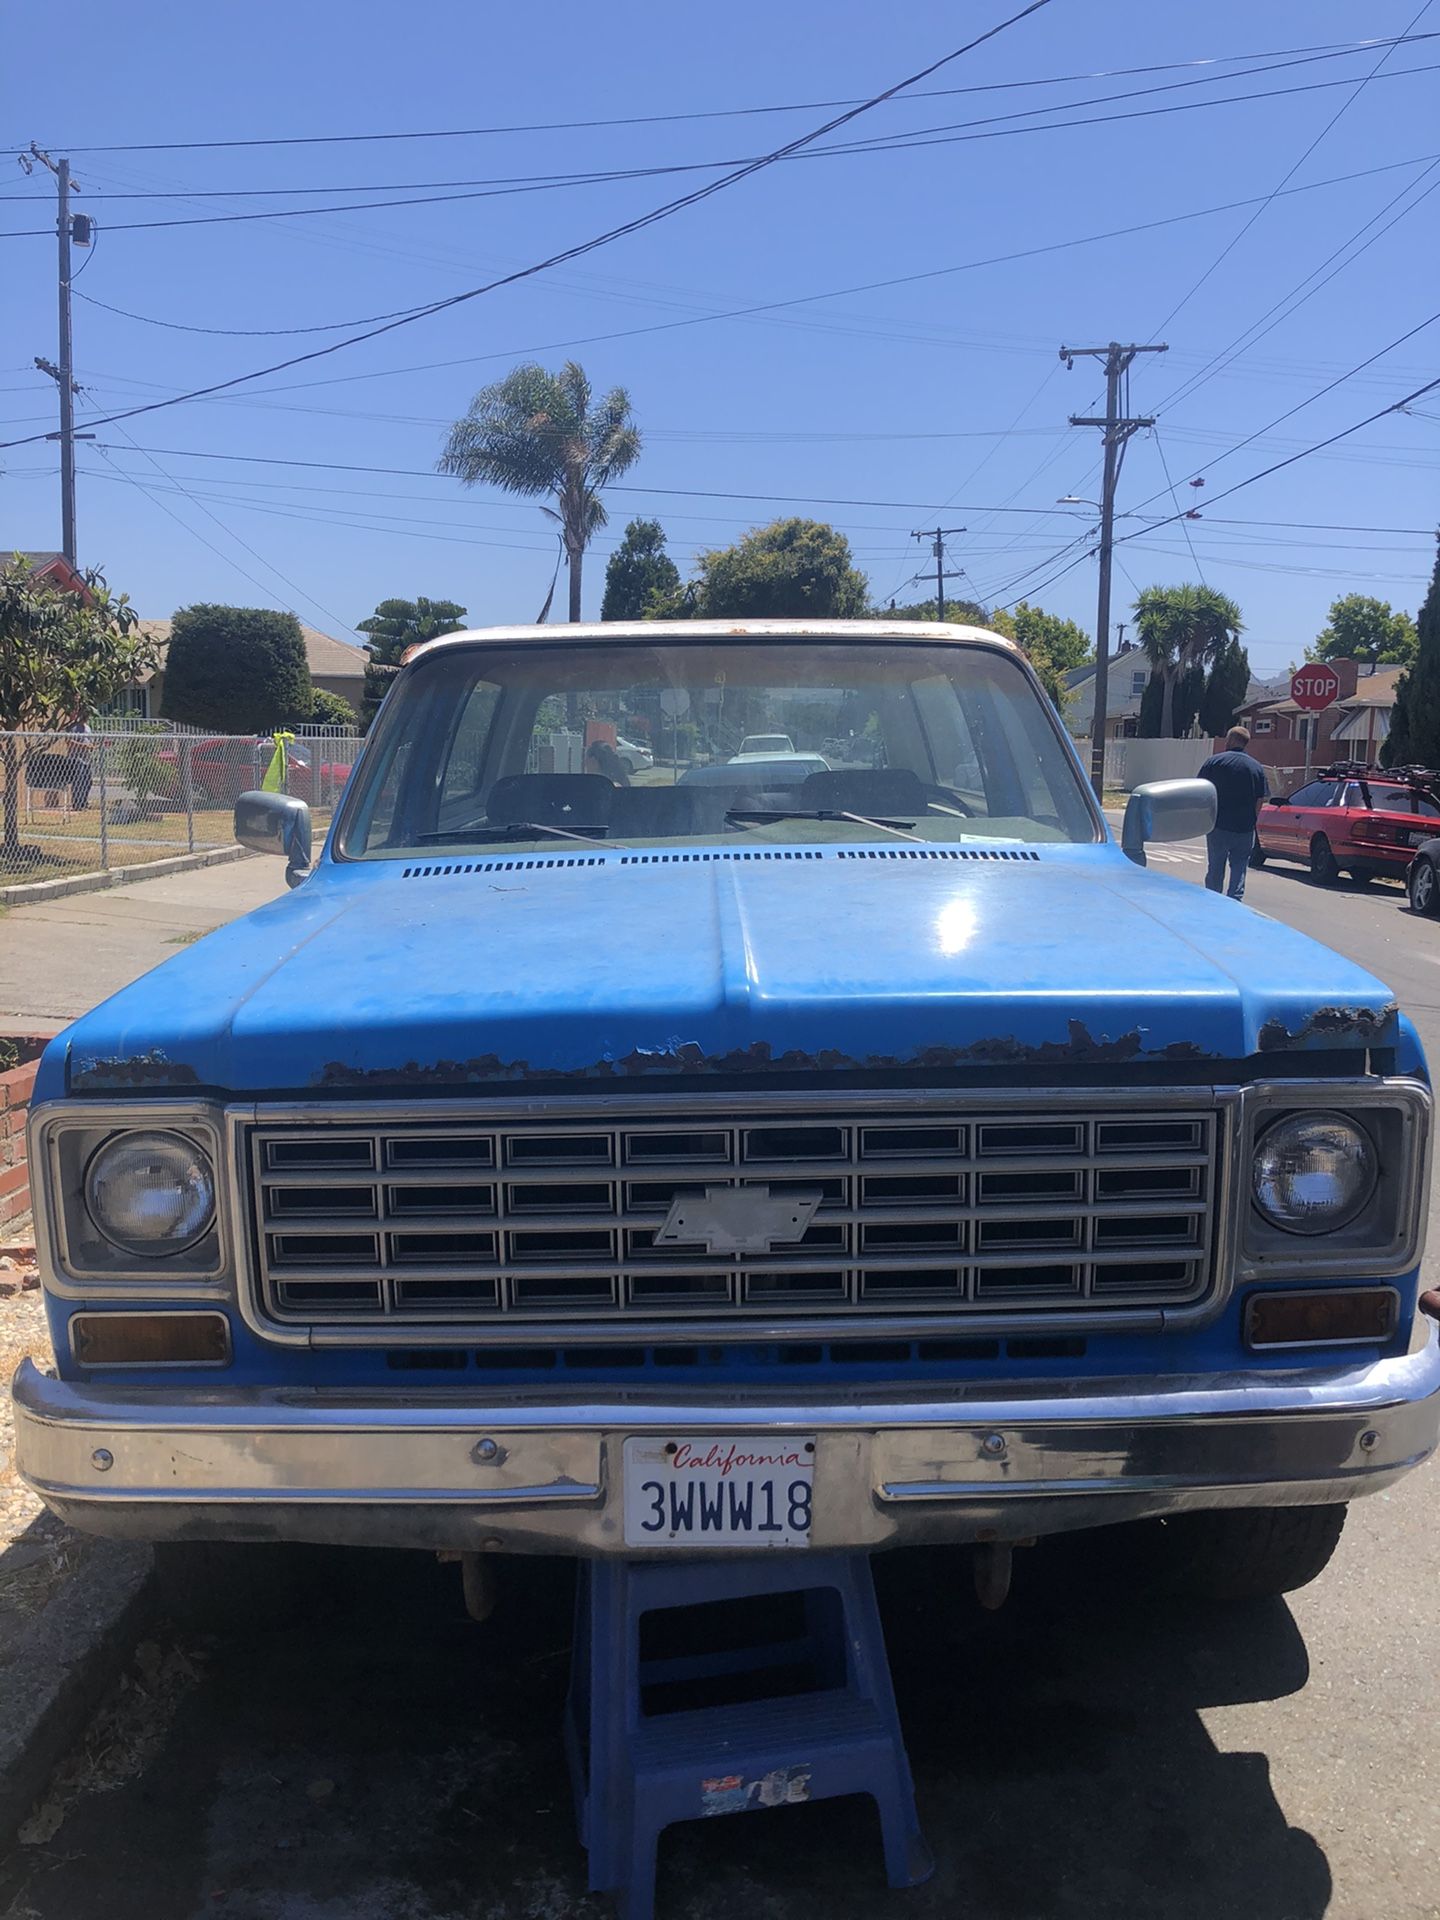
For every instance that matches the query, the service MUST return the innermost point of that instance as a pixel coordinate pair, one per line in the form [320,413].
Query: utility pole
[68,227]
[1117,430]
[937,536]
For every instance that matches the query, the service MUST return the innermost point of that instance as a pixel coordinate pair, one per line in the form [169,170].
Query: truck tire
[1245,1553]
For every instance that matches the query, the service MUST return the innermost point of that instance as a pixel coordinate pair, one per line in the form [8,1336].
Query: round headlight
[1313,1172]
[151,1193]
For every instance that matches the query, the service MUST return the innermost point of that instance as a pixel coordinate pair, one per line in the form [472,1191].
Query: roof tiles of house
[328,658]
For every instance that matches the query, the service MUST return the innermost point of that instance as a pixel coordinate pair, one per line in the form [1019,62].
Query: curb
[32,892]
[63,1668]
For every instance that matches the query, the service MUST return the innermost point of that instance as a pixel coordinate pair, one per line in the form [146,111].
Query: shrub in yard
[136,763]
[329,710]
[236,669]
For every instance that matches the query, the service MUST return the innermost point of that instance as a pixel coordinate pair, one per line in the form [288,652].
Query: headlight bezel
[78,1261]
[1385,1237]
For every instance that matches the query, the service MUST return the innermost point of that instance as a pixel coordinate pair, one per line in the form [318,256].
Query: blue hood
[618,967]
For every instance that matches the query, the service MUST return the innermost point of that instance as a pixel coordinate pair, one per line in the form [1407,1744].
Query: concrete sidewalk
[57,960]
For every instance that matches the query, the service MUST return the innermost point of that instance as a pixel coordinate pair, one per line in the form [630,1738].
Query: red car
[222,769]
[1362,821]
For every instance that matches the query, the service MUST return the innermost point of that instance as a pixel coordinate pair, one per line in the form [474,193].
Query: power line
[1299,407]
[754,310]
[781,499]
[589,176]
[582,248]
[231,534]
[1288,177]
[1396,406]
[1289,304]
[889,143]
[1174,501]
[1332,49]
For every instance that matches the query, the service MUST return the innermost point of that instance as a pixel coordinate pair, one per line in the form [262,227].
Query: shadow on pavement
[393,1762]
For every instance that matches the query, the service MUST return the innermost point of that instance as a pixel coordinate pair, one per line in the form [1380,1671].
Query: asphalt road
[1079,1755]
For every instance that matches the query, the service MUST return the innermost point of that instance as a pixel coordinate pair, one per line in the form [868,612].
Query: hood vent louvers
[438,869]
[536,863]
[701,858]
[936,853]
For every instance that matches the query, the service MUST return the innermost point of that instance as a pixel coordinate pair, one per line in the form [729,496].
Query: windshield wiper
[520,830]
[765,816]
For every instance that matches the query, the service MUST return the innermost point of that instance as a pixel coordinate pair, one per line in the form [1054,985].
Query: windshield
[712,742]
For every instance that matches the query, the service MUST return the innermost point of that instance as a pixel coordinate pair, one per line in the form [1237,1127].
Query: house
[1124,688]
[51,570]
[1283,734]
[334,665]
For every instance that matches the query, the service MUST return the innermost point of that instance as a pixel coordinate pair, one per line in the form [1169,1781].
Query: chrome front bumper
[542,1474]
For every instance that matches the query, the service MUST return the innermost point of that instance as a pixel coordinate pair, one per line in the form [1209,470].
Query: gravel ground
[37,1553]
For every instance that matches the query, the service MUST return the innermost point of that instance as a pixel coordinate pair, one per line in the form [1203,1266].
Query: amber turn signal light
[1321,1319]
[150,1339]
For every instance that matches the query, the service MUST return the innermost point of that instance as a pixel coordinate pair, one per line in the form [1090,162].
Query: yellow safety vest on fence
[274,781]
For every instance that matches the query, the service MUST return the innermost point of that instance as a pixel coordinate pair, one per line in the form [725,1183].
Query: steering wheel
[949,801]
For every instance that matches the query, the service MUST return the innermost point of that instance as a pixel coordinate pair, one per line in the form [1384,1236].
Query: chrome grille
[916,1210]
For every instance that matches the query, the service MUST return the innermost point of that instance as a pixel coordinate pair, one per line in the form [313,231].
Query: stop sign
[1315,687]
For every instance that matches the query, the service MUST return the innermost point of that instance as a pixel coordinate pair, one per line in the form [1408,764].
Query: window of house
[1138,682]
[1263,726]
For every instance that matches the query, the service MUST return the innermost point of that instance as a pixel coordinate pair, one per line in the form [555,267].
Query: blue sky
[942,398]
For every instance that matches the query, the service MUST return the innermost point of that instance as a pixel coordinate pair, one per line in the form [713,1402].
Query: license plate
[696,1491]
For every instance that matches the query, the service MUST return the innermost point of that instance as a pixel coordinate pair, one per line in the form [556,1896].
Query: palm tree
[536,432]
[1182,628]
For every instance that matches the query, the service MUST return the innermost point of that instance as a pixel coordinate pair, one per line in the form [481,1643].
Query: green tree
[1064,643]
[63,656]
[395,627]
[1182,628]
[1226,686]
[1360,628]
[235,669]
[638,571]
[961,613]
[790,570]
[538,433]
[1414,737]
[1052,645]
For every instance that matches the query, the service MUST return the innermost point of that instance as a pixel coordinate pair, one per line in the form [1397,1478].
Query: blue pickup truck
[702,1159]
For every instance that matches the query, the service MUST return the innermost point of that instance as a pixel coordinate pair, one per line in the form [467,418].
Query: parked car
[456,1199]
[764,746]
[633,757]
[224,767]
[762,777]
[1361,821]
[1422,881]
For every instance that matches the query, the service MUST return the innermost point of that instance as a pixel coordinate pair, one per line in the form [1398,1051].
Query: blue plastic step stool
[635,1773]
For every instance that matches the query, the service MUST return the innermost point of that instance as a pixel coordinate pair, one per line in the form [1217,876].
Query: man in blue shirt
[1240,789]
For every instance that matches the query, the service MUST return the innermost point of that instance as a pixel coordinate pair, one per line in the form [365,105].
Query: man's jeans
[1221,846]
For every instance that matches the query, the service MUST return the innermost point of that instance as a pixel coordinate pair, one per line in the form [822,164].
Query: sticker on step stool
[733,1793]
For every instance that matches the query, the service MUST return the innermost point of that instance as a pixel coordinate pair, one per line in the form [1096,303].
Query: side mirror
[276,823]
[1167,810]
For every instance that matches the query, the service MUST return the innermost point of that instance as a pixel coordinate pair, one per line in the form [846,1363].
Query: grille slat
[474,1222]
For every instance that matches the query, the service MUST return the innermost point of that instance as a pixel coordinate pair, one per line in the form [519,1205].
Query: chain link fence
[81,801]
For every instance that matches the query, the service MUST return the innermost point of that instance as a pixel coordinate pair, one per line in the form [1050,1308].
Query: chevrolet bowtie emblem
[737,1219]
